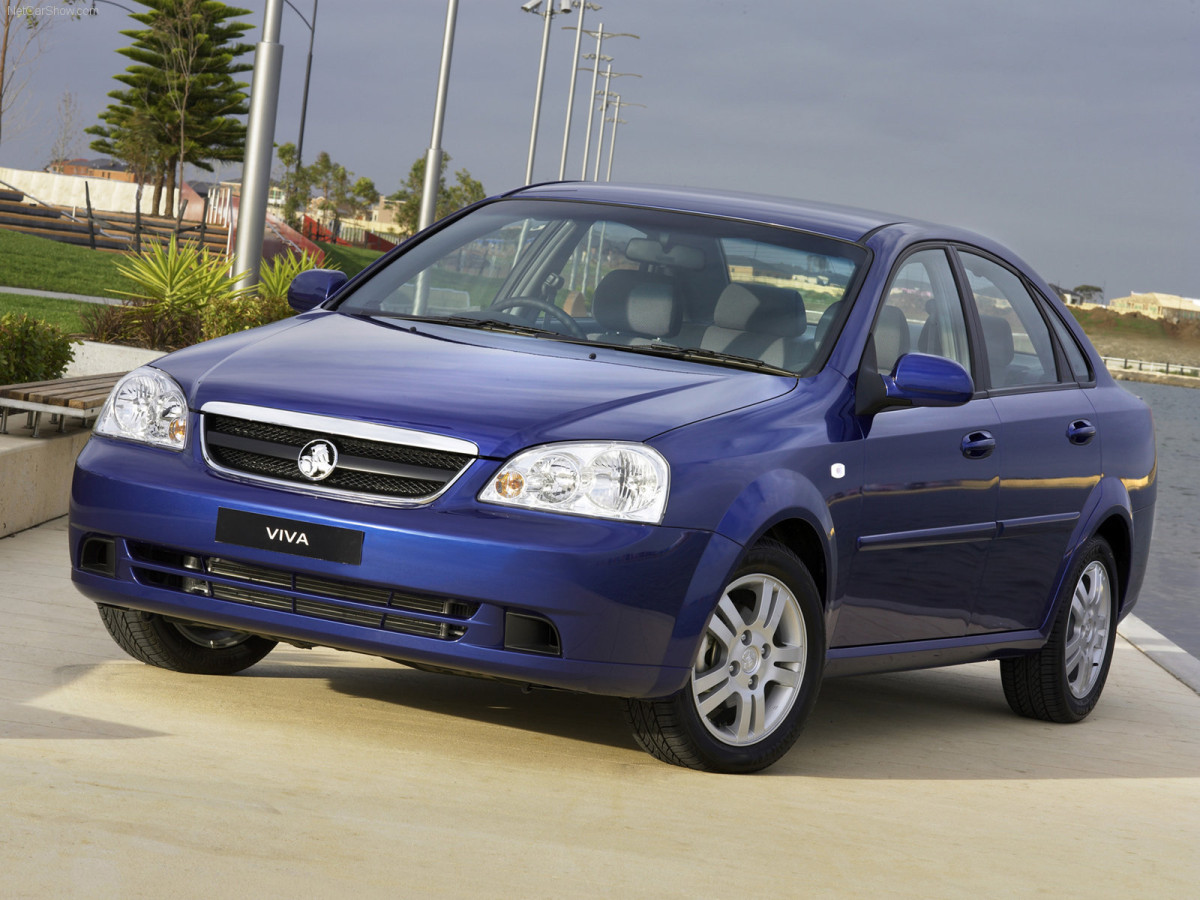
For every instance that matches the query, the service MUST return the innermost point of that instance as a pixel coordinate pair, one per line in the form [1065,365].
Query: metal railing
[1141,365]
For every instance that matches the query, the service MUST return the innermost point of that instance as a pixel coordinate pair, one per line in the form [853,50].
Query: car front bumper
[570,602]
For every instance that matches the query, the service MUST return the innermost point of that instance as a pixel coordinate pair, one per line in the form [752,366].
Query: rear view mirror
[921,379]
[310,289]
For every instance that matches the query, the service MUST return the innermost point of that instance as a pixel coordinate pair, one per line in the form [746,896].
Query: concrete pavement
[321,774]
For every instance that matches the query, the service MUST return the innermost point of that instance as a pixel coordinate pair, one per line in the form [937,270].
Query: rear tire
[183,646]
[1062,682]
[755,677]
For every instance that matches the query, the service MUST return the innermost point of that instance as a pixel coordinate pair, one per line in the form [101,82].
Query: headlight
[608,480]
[146,406]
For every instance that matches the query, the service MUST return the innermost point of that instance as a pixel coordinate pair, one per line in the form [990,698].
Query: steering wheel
[574,329]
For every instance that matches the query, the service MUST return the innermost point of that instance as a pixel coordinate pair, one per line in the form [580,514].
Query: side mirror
[310,289]
[921,379]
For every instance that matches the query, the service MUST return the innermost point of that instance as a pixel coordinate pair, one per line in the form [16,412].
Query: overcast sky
[1068,129]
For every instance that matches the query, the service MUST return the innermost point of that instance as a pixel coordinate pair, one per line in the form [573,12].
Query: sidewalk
[318,772]
[57,295]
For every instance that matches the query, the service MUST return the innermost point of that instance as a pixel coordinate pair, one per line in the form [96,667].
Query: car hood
[502,392]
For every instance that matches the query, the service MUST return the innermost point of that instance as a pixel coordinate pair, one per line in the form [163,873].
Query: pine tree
[180,94]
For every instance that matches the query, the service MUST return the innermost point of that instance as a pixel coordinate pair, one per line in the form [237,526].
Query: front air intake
[531,634]
[98,555]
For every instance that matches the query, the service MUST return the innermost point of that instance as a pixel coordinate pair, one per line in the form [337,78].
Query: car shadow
[932,725]
[583,717]
[943,724]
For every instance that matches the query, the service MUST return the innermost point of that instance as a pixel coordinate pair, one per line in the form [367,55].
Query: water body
[1170,598]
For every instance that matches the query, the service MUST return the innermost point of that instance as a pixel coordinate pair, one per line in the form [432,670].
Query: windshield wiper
[698,354]
[467,322]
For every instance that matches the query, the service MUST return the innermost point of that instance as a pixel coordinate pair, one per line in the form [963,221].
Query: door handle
[1080,432]
[978,445]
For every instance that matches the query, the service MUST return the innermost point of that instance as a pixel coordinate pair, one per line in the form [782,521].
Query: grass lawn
[350,260]
[34,262]
[63,313]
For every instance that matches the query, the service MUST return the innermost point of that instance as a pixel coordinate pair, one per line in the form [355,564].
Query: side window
[1016,338]
[922,313]
[1080,369]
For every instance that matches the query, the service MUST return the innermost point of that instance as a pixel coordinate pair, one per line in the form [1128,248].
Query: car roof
[842,222]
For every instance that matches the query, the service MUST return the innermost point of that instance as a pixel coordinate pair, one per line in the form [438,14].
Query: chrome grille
[402,471]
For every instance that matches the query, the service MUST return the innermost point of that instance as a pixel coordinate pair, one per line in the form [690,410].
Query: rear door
[1047,443]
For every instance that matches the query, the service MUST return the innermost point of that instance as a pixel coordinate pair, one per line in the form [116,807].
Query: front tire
[183,646]
[1062,682]
[755,677]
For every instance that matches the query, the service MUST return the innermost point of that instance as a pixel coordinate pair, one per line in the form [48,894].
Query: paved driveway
[322,774]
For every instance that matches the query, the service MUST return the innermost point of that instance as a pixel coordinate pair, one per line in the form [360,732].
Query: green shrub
[107,324]
[276,275]
[32,350]
[172,284]
[182,295]
[268,304]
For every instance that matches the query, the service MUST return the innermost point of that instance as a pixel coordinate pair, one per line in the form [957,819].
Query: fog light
[194,585]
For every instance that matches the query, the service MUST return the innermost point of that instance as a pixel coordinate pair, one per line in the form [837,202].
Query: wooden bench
[81,397]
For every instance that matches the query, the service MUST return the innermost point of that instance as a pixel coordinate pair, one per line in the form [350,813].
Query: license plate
[340,545]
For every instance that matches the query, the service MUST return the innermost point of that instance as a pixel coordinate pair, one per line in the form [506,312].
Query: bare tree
[21,32]
[66,135]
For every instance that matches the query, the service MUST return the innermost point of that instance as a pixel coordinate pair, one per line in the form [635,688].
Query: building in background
[1159,306]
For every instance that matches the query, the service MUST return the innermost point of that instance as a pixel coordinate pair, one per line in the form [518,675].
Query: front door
[930,480]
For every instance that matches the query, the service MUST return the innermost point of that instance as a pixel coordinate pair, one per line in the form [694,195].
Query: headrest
[892,338]
[998,338]
[632,302]
[680,256]
[760,308]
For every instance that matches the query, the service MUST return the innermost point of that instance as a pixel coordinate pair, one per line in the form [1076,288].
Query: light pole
[433,159]
[599,35]
[612,141]
[609,74]
[312,33]
[583,8]
[260,135]
[553,8]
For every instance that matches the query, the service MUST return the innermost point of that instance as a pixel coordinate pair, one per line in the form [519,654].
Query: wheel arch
[1115,531]
[1107,514]
[801,537]
[798,517]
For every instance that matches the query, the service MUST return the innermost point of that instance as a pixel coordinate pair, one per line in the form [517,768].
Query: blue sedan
[698,451]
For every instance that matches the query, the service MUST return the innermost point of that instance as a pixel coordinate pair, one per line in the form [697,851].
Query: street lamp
[260,134]
[312,33]
[609,74]
[583,8]
[612,140]
[553,8]
[433,159]
[599,35]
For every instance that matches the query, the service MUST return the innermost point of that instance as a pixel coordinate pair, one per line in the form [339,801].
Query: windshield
[699,287]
